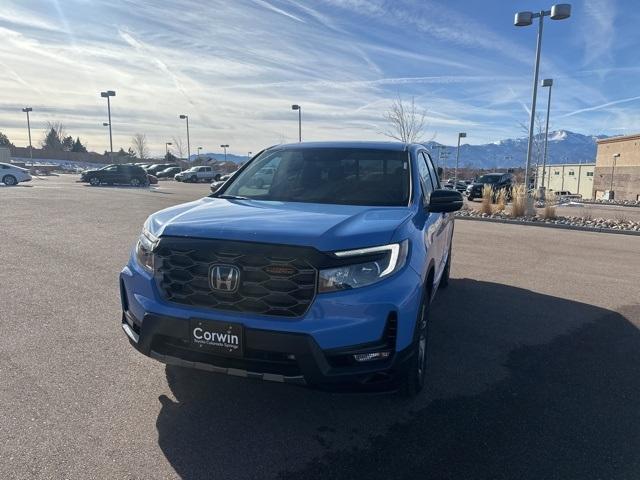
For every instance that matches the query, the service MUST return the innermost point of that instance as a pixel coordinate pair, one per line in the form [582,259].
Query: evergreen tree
[4,141]
[67,143]
[78,146]
[52,140]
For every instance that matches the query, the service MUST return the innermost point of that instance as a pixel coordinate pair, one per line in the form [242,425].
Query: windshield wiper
[233,197]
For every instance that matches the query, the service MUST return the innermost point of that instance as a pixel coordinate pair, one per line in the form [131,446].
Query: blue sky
[235,67]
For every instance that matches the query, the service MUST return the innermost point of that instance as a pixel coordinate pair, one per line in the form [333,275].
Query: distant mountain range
[564,147]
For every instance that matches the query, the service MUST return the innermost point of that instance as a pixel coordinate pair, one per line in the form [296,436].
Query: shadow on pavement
[523,385]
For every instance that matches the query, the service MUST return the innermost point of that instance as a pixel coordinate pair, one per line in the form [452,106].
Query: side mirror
[445,200]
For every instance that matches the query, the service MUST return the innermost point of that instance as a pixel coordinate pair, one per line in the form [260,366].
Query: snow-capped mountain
[563,147]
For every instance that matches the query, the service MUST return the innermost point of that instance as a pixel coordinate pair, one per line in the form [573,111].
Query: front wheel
[9,180]
[415,375]
[135,182]
[94,181]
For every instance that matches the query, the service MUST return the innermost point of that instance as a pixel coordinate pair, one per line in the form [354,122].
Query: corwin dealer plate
[219,338]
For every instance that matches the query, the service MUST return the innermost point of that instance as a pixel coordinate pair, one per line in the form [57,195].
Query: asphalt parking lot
[534,358]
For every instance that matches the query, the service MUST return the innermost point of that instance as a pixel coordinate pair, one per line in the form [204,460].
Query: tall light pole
[225,151]
[108,94]
[613,171]
[455,175]
[166,149]
[27,110]
[199,148]
[299,109]
[186,117]
[547,83]
[524,19]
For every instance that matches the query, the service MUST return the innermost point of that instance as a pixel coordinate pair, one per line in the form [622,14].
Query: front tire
[9,180]
[415,375]
[94,181]
[135,182]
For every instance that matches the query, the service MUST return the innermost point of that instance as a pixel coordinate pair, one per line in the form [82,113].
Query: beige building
[621,174]
[576,178]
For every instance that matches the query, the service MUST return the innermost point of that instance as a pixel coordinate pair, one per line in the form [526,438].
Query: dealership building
[576,178]
[618,167]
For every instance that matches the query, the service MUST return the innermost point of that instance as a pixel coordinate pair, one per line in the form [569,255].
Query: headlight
[144,250]
[391,258]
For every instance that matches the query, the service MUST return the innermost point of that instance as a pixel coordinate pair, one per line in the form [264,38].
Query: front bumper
[316,349]
[273,356]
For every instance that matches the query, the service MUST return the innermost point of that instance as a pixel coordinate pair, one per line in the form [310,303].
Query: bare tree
[139,145]
[406,122]
[538,139]
[180,147]
[54,135]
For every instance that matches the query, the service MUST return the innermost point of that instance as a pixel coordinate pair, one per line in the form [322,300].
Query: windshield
[489,178]
[347,176]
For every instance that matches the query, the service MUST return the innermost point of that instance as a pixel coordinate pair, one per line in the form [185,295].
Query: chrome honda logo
[224,278]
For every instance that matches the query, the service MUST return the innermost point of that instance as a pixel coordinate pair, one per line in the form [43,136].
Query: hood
[324,227]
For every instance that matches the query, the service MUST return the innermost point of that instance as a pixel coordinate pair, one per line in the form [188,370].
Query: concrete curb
[551,225]
[601,204]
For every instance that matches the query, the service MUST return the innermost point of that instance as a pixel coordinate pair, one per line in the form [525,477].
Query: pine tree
[52,140]
[4,141]
[78,146]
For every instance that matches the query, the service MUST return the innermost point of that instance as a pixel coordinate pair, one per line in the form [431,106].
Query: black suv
[158,167]
[116,174]
[497,181]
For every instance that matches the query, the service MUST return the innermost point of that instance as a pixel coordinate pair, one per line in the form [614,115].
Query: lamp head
[560,11]
[183,117]
[523,19]
[547,82]
[295,107]
[462,135]
[27,109]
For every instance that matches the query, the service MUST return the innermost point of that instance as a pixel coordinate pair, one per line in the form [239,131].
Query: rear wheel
[135,182]
[9,180]
[415,375]
[95,181]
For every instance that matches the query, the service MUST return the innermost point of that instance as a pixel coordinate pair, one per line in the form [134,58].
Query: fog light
[368,357]
[291,356]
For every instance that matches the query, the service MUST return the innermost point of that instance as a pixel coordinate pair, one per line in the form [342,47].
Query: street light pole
[108,94]
[225,151]
[299,109]
[27,110]
[547,82]
[186,117]
[613,171]
[199,148]
[455,175]
[523,19]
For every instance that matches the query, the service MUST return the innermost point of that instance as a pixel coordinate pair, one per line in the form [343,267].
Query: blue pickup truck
[319,274]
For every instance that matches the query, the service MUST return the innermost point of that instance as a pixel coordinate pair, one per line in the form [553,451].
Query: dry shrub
[549,210]
[587,213]
[487,198]
[519,202]
[501,201]
[621,218]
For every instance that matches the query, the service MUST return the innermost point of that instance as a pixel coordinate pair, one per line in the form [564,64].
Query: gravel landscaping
[620,225]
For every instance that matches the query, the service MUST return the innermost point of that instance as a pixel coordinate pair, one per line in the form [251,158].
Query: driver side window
[426,181]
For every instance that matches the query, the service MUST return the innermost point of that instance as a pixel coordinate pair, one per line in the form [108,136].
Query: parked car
[11,175]
[152,179]
[116,174]
[198,174]
[158,167]
[497,182]
[323,278]
[460,186]
[168,172]
[216,184]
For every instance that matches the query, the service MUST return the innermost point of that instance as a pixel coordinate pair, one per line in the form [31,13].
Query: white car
[198,174]
[11,175]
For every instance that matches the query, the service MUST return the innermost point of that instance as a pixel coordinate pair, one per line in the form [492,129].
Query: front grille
[274,280]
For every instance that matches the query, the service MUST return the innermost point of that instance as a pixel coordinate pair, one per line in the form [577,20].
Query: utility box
[4,155]
[608,195]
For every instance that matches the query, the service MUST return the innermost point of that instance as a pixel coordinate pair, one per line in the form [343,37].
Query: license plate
[220,338]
